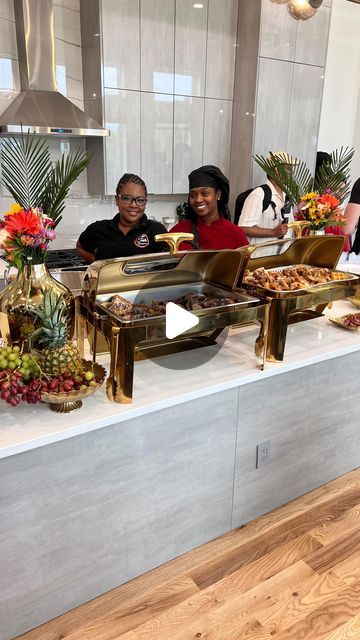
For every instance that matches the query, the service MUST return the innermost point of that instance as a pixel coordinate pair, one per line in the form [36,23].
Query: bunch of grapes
[68,382]
[15,389]
[11,359]
[21,379]
[19,376]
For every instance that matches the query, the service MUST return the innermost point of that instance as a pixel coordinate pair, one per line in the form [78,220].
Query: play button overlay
[178,320]
[191,350]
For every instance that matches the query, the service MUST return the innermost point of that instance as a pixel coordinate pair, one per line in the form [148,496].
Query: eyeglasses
[140,200]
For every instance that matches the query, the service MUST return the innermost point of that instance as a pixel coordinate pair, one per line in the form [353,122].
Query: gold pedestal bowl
[72,400]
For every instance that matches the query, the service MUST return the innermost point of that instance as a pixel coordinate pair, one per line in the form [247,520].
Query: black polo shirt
[106,240]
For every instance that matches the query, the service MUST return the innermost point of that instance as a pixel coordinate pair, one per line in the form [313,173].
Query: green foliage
[25,167]
[32,179]
[296,180]
[335,174]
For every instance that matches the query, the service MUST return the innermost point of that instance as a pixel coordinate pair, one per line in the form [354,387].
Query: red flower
[23,222]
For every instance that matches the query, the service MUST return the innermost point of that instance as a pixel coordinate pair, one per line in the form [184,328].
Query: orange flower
[23,222]
[28,241]
[330,200]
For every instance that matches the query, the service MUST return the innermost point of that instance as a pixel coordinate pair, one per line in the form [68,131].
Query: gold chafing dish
[288,307]
[161,277]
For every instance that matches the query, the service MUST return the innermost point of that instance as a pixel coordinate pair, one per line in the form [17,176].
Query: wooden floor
[292,574]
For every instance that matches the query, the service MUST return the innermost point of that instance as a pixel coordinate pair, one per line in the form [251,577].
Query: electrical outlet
[263,454]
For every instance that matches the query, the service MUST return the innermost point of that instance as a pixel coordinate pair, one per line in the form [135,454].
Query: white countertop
[30,426]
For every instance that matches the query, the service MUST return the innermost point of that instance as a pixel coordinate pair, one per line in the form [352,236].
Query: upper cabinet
[190,48]
[168,76]
[157,45]
[121,44]
[221,48]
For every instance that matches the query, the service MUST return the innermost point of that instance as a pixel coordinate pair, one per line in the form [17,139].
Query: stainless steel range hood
[39,107]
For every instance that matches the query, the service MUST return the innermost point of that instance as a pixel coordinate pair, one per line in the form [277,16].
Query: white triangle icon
[178,320]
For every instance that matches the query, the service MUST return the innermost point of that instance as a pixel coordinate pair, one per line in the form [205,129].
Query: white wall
[340,115]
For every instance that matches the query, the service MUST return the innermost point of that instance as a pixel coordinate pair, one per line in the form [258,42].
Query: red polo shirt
[219,234]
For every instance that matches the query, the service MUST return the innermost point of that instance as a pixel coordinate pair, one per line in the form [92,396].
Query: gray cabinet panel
[217,133]
[312,38]
[221,45]
[311,442]
[157,45]
[278,32]
[190,48]
[305,112]
[157,123]
[188,139]
[122,147]
[272,109]
[110,505]
[121,43]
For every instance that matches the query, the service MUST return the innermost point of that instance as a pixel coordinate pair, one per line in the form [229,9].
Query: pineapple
[56,353]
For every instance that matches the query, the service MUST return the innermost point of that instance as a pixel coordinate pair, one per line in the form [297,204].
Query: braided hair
[129,177]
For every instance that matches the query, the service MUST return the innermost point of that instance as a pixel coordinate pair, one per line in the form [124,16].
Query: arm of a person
[251,216]
[262,232]
[352,215]
[87,255]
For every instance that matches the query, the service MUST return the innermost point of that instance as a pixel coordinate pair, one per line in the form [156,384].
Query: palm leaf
[335,174]
[62,175]
[25,165]
[294,179]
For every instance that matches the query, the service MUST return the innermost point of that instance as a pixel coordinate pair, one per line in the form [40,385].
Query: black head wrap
[210,176]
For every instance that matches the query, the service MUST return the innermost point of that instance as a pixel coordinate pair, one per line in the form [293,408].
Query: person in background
[129,232]
[207,214]
[264,225]
[352,215]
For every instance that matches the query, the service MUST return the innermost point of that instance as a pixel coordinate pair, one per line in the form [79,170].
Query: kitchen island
[93,498]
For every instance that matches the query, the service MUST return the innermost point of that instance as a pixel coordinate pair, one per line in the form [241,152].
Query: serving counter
[96,497]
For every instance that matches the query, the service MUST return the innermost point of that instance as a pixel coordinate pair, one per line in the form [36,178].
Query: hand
[280,231]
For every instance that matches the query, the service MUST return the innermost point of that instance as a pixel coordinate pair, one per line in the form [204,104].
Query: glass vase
[17,322]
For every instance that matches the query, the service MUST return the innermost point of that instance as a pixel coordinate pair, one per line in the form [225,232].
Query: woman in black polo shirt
[129,232]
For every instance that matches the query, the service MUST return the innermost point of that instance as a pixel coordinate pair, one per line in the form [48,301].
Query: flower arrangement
[25,233]
[39,188]
[321,210]
[295,179]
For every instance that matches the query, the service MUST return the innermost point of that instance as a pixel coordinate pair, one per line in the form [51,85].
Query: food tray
[340,322]
[171,294]
[306,289]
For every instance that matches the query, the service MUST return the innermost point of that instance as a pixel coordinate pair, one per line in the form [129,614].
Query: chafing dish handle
[174,240]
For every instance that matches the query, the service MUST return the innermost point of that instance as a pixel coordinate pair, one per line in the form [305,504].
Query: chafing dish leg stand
[303,307]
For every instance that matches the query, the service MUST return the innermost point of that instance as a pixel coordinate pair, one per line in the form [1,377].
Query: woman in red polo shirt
[208,214]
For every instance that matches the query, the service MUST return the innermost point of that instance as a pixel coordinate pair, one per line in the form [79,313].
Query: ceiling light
[198,5]
[300,9]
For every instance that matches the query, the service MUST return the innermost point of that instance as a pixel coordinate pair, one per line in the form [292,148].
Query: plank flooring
[292,574]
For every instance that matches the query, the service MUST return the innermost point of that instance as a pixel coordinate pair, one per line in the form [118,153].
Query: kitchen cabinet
[217,133]
[188,139]
[190,48]
[157,45]
[122,118]
[156,121]
[121,44]
[221,49]
[167,108]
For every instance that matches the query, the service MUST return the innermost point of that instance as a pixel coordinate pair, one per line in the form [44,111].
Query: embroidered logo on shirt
[142,241]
